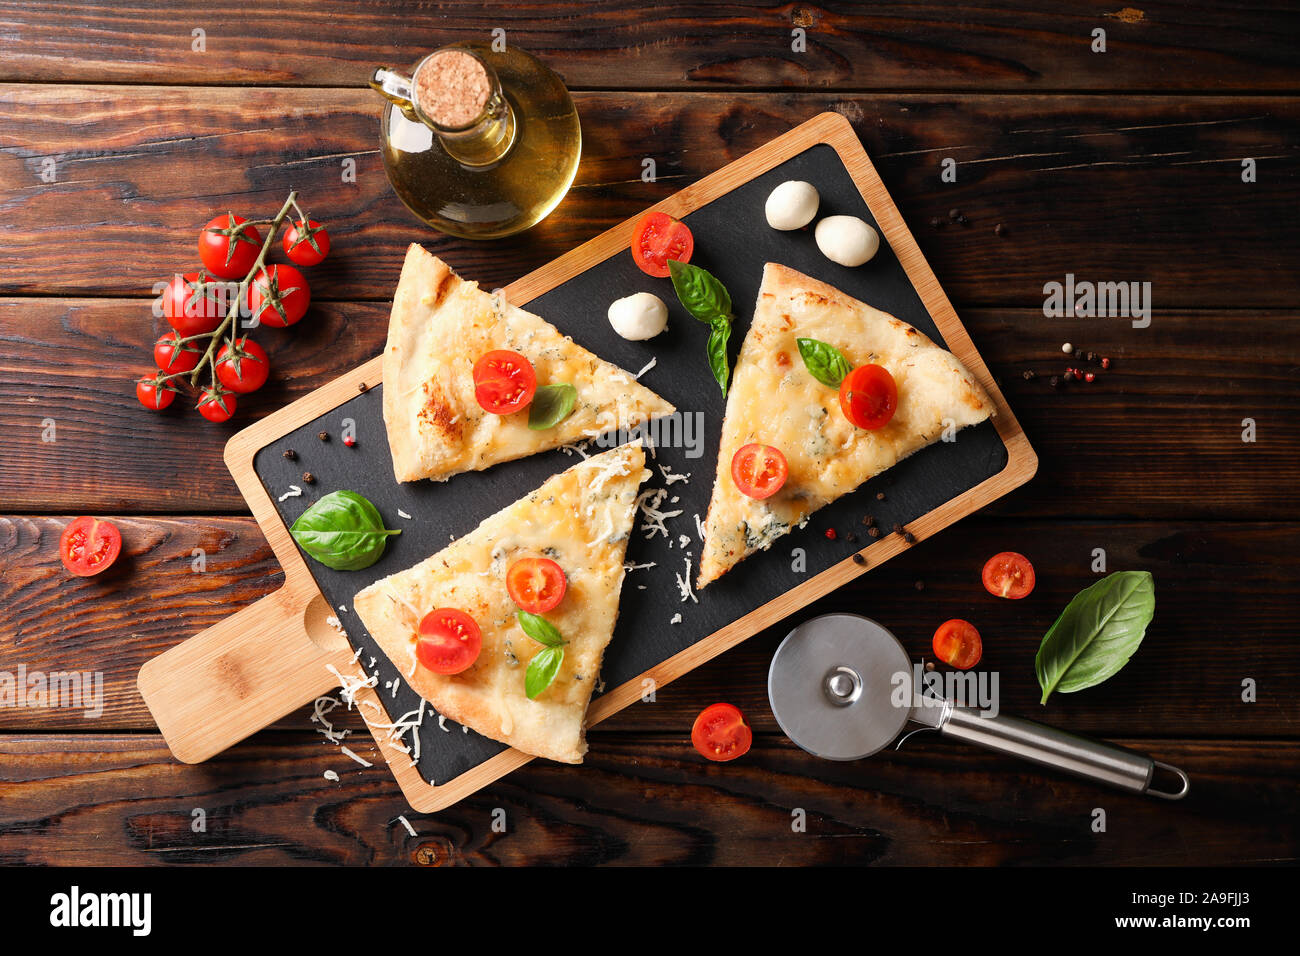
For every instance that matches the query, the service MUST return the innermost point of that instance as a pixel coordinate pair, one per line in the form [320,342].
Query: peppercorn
[880,496]
[874,532]
[898,528]
[953,214]
[936,222]
[309,478]
[929,665]
[1091,358]
[1068,376]
[324,436]
[1054,381]
[290,454]
[851,537]
[1029,375]
[919,585]
[909,537]
[962,220]
[362,387]
[859,559]
[868,520]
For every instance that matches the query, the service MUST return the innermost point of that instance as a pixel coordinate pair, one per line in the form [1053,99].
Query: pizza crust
[580,518]
[775,401]
[439,327]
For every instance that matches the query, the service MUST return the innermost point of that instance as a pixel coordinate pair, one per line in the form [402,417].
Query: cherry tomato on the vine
[278,296]
[244,368]
[216,405]
[154,393]
[172,355]
[229,252]
[306,244]
[190,306]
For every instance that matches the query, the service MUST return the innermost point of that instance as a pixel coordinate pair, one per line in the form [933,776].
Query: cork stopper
[452,88]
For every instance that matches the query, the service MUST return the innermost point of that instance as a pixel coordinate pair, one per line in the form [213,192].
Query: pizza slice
[775,401]
[580,521]
[440,329]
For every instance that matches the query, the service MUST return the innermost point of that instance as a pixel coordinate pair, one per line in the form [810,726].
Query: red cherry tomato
[720,733]
[504,381]
[243,369]
[759,471]
[1008,575]
[171,356]
[190,306]
[869,396]
[958,644]
[306,245]
[449,641]
[658,238]
[278,296]
[536,584]
[89,545]
[216,405]
[225,253]
[153,394]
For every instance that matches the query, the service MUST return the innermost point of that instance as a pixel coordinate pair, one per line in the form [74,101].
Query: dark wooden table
[1125,165]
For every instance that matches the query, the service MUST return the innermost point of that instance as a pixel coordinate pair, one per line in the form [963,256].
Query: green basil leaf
[539,629]
[700,293]
[1097,633]
[342,531]
[551,405]
[542,670]
[719,332]
[825,362]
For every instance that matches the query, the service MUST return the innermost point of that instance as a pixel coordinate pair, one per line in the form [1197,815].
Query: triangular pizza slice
[441,327]
[579,519]
[776,401]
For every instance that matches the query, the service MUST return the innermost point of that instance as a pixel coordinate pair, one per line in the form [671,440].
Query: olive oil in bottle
[479,143]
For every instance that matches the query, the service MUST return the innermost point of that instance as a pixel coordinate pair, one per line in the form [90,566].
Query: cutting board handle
[243,673]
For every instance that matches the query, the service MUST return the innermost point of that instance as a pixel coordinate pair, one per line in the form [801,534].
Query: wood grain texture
[1224,612]
[92,799]
[1114,188]
[1159,436]
[742,44]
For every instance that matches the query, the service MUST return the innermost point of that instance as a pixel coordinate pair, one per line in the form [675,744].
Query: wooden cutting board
[281,652]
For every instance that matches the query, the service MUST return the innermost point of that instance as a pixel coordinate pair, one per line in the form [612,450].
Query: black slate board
[733,241]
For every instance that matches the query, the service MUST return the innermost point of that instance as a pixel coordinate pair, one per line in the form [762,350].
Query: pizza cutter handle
[1061,750]
[242,674]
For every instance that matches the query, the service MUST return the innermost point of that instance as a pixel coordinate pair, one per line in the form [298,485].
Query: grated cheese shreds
[648,366]
[699,526]
[407,823]
[677,618]
[684,584]
[331,775]
[293,492]
[442,724]
[648,503]
[357,757]
[671,477]
[638,567]
[403,514]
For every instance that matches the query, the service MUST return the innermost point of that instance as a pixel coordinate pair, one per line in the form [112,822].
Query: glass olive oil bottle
[477,143]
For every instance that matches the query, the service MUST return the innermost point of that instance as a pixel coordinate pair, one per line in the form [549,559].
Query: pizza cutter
[842,687]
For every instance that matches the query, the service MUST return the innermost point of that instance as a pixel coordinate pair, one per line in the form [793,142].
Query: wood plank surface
[91,799]
[741,44]
[1225,612]
[1159,436]
[1127,188]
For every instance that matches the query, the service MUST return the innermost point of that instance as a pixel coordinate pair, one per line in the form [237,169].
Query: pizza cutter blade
[841,687]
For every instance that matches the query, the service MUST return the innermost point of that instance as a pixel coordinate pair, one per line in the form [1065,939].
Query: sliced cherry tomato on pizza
[536,585]
[658,238]
[190,305]
[278,296]
[869,396]
[449,641]
[172,355]
[306,243]
[89,545]
[958,644]
[1008,575]
[720,733]
[154,393]
[504,381]
[227,252]
[216,405]
[244,368]
[759,471]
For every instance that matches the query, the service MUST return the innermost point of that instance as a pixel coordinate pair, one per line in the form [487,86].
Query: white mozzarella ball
[792,205]
[639,316]
[847,240]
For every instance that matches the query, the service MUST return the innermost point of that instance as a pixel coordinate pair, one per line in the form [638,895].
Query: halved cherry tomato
[89,545]
[278,296]
[307,244]
[958,644]
[172,356]
[504,381]
[245,368]
[720,733]
[759,471]
[449,642]
[1008,575]
[216,405]
[536,584]
[658,238]
[190,306]
[153,393]
[869,396]
[228,254]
